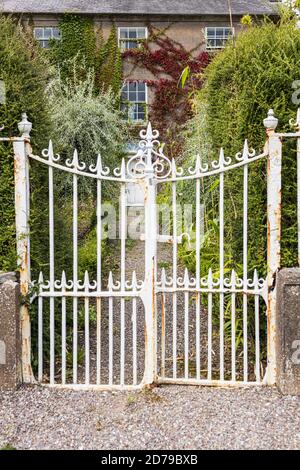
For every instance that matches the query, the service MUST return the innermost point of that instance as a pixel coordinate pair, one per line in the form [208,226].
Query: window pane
[132,86]
[132,96]
[47,33]
[141,34]
[217,37]
[142,96]
[123,33]
[141,115]
[141,108]
[131,147]
[132,33]
[141,86]
[45,44]
[131,44]
[122,46]
[134,101]
[133,112]
[38,32]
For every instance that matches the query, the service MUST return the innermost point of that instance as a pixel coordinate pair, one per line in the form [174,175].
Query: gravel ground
[167,418]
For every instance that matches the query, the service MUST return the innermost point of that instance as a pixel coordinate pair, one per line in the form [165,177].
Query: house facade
[196,24]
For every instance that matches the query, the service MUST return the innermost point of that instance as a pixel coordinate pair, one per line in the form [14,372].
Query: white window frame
[122,41]
[129,118]
[224,38]
[42,40]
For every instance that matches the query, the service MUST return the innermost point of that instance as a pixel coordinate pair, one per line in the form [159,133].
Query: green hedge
[242,82]
[24,71]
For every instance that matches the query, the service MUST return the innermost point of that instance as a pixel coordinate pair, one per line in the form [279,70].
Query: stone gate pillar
[288,331]
[10,347]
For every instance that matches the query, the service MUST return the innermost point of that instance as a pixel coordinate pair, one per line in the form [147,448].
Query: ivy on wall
[80,39]
[166,59]
[109,66]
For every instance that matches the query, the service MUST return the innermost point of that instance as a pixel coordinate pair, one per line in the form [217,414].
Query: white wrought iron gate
[171,323]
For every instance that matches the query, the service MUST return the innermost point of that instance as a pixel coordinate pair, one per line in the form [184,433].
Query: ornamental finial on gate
[149,157]
[25,126]
[150,136]
[271,122]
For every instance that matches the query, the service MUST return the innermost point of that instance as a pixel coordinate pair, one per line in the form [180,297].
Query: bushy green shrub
[245,80]
[86,120]
[242,82]
[90,123]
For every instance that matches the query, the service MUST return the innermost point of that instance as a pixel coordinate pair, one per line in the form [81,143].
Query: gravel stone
[168,418]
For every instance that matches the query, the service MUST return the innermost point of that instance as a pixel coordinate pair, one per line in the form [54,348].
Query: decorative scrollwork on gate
[224,163]
[150,158]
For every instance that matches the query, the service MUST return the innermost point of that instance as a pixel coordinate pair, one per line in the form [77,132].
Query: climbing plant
[109,66]
[166,59]
[83,42]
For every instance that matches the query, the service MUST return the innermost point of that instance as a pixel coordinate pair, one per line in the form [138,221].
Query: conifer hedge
[255,73]
[24,71]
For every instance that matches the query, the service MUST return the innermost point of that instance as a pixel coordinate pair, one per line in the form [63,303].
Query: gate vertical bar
[22,233]
[123,235]
[75,270]
[40,329]
[198,270]
[99,267]
[51,264]
[174,213]
[274,236]
[63,329]
[221,260]
[150,263]
[298,183]
[245,263]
